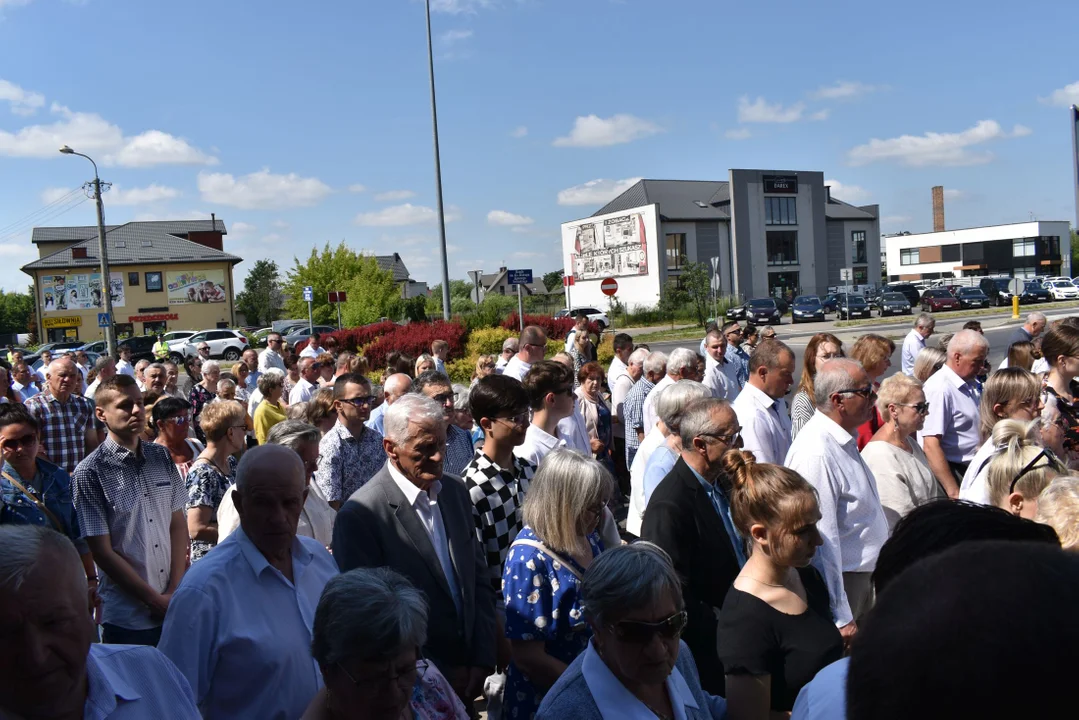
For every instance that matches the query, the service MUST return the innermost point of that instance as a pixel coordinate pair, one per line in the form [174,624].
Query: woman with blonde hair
[1058,507]
[320,410]
[424,363]
[213,472]
[928,361]
[775,629]
[1011,393]
[1020,354]
[821,348]
[485,365]
[874,352]
[1022,469]
[904,480]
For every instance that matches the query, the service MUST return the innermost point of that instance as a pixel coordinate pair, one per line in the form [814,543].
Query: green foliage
[553,348]
[605,350]
[261,299]
[696,285]
[552,280]
[17,312]
[461,369]
[372,293]
[1075,250]
[487,341]
[340,268]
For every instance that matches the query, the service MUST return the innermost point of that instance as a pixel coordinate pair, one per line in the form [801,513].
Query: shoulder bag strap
[37,501]
[554,556]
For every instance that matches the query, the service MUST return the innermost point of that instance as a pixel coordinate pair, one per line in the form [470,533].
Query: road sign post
[336,298]
[519,278]
[845,274]
[309,296]
[103,320]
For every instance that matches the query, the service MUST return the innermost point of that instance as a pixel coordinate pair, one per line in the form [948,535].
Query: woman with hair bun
[775,629]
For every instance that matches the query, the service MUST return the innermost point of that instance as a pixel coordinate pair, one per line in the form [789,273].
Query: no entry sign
[609,286]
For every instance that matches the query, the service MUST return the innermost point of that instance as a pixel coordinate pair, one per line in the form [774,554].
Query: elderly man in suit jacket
[412,518]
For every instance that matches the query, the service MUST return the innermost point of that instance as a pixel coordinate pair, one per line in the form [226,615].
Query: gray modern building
[774,232]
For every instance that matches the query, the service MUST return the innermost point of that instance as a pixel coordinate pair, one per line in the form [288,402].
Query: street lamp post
[106,283]
[438,175]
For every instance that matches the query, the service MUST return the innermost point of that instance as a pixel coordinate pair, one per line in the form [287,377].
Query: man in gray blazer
[412,518]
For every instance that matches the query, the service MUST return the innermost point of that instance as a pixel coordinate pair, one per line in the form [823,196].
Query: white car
[1062,290]
[597,316]
[224,343]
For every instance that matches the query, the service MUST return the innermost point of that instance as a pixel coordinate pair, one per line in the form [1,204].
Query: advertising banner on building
[612,247]
[196,286]
[81,291]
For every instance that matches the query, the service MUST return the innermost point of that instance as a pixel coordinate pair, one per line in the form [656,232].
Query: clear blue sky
[306,123]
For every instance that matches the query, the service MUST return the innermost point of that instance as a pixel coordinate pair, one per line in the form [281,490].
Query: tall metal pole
[520,308]
[438,174]
[106,281]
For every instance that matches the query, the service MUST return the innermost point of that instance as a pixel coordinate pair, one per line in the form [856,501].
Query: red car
[939,299]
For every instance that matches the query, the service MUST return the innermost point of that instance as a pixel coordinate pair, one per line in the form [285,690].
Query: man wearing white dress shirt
[762,411]
[549,386]
[720,374]
[306,387]
[682,364]
[509,349]
[240,623]
[533,346]
[124,366]
[271,357]
[852,525]
[950,435]
[313,348]
[915,340]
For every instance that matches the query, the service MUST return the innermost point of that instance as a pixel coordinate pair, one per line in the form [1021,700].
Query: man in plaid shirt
[69,431]
[655,367]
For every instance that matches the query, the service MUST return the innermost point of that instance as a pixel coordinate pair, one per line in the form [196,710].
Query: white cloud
[281,224]
[821,114]
[51,195]
[759,111]
[507,219]
[738,134]
[23,102]
[852,194]
[394,195]
[404,215]
[595,192]
[262,190]
[526,255]
[519,132]
[242,229]
[154,147]
[357,188]
[594,131]
[842,90]
[140,196]
[953,194]
[452,37]
[171,215]
[1063,97]
[940,149]
[459,7]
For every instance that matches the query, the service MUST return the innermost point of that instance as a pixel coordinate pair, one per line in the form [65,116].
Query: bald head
[269,463]
[63,378]
[395,386]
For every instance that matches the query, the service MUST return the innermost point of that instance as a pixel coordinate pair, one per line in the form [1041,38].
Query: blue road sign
[520,277]
[103,320]
[308,293]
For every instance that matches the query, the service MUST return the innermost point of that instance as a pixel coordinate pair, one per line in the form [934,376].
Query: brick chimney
[210,238]
[938,208]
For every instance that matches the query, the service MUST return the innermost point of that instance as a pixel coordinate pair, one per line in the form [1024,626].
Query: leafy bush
[354,339]
[415,338]
[605,351]
[487,341]
[554,347]
[461,369]
[556,328]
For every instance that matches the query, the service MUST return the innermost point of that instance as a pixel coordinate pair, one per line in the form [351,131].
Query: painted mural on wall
[196,286]
[614,247]
[80,291]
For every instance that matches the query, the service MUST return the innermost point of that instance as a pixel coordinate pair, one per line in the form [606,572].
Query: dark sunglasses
[641,633]
[1053,463]
[25,441]
[445,398]
[866,392]
[359,401]
[921,408]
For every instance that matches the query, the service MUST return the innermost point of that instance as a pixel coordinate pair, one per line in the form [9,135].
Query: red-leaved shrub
[353,339]
[556,328]
[414,339]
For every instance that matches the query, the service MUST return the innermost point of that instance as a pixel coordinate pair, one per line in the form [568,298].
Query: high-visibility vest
[161,350]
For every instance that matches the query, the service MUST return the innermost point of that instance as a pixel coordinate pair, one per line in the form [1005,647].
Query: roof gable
[394,264]
[677,199]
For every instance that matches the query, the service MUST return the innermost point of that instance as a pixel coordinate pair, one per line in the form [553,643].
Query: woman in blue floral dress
[541,580]
[213,472]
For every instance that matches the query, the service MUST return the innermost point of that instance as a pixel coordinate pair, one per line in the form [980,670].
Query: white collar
[615,702]
[410,490]
[543,438]
[758,396]
[953,377]
[834,429]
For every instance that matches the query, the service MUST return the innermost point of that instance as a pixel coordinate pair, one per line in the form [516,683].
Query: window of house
[909,257]
[132,278]
[780,211]
[153,282]
[857,238]
[950,253]
[782,247]
[1054,244]
[861,275]
[676,251]
[1023,247]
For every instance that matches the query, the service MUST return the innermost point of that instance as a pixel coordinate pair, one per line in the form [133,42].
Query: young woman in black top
[776,628]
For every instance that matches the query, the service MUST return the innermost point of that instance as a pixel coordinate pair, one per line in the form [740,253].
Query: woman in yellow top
[270,411]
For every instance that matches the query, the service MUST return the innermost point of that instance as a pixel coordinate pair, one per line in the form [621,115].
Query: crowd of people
[300,536]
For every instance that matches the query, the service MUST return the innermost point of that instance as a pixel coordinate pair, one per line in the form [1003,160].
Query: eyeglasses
[866,392]
[445,398]
[596,509]
[275,340]
[731,439]
[735,332]
[25,441]
[1053,463]
[519,419]
[641,633]
[921,408]
[179,420]
[359,401]
[405,679]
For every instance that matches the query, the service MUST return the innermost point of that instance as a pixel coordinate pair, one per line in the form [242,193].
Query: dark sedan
[806,308]
[1033,292]
[830,302]
[939,299]
[737,312]
[852,306]
[972,298]
[763,311]
[894,303]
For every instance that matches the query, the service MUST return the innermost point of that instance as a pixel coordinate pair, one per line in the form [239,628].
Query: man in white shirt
[313,349]
[762,411]
[82,363]
[123,365]
[915,340]
[682,364]
[140,379]
[271,356]
[549,386]
[533,346]
[623,384]
[720,374]
[305,388]
[581,325]
[852,525]
[39,374]
[106,368]
[950,435]
[22,382]
[440,351]
[509,349]
[395,387]
[623,348]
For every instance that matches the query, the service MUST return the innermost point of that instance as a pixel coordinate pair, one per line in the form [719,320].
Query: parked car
[53,347]
[304,333]
[939,299]
[894,303]
[173,335]
[806,308]
[1033,292]
[763,311]
[972,298]
[227,344]
[997,289]
[98,346]
[34,362]
[1062,290]
[829,302]
[142,346]
[594,315]
[909,291]
[851,306]
[737,312]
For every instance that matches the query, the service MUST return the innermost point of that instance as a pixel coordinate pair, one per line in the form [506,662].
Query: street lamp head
[66,150]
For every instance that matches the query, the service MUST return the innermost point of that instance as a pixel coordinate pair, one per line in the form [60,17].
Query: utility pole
[438,175]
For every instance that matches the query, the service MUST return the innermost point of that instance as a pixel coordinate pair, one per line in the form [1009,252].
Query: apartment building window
[1053,241]
[857,238]
[1023,247]
[909,257]
[861,276]
[1025,272]
[780,211]
[676,251]
[782,247]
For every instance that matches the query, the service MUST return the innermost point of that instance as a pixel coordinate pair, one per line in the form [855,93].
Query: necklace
[657,713]
[761,582]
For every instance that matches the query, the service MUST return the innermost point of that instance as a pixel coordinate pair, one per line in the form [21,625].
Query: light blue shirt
[740,358]
[135,682]
[825,696]
[723,508]
[660,463]
[240,632]
[378,418]
[440,366]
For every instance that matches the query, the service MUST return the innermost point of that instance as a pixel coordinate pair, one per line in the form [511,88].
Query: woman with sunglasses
[369,627]
[172,418]
[213,472]
[541,580]
[635,665]
[1009,394]
[904,480]
[821,348]
[1022,469]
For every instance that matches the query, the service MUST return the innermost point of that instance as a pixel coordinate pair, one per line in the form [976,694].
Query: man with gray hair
[950,435]
[1029,330]
[106,368]
[140,368]
[682,364]
[395,386]
[915,340]
[50,666]
[510,347]
[533,346]
[241,620]
[655,368]
[69,431]
[414,519]
[154,377]
[852,525]
[761,409]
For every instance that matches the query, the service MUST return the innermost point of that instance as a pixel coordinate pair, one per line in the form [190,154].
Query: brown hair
[1021,355]
[809,361]
[1061,340]
[589,369]
[872,349]
[217,417]
[320,406]
[767,354]
[772,495]
[1005,387]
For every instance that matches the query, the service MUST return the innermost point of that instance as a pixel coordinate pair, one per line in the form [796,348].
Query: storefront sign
[62,322]
[780,184]
[153,318]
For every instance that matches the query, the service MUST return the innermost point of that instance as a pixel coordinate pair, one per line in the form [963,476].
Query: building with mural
[163,276]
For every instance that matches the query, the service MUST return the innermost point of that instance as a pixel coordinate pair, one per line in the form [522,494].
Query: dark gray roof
[677,199]
[85,232]
[839,210]
[495,279]
[394,264]
[134,243]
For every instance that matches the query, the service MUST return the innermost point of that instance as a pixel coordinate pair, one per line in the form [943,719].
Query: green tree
[261,299]
[552,280]
[372,294]
[696,283]
[330,269]
[17,312]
